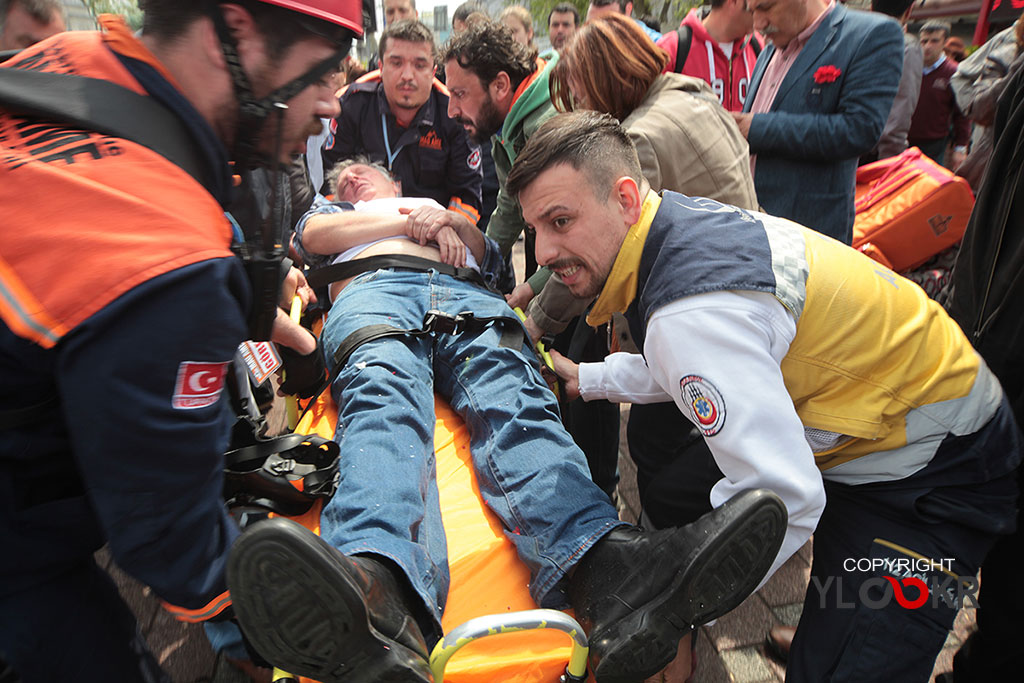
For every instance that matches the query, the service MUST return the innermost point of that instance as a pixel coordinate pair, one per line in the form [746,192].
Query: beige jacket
[686,143]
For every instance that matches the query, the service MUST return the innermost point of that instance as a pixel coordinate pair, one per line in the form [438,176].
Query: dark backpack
[684,34]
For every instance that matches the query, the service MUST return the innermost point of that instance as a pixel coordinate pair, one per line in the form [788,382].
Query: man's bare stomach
[395,246]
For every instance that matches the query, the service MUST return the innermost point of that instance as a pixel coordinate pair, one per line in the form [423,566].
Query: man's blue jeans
[531,474]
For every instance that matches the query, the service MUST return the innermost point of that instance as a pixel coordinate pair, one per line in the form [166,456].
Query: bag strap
[685,38]
[96,105]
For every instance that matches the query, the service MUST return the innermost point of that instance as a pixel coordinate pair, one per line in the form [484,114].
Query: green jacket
[533,108]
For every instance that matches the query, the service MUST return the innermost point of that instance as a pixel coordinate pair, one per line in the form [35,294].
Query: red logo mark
[430,140]
[897,590]
[198,384]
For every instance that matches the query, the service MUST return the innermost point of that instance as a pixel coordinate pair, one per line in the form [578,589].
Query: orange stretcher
[488,594]
[909,208]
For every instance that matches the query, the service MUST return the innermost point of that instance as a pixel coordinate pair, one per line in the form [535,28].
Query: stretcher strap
[434,322]
[285,474]
[104,107]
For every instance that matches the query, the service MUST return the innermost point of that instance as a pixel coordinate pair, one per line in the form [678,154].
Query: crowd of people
[686,202]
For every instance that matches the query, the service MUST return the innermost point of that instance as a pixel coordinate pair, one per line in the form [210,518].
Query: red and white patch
[261,360]
[474,159]
[705,404]
[198,384]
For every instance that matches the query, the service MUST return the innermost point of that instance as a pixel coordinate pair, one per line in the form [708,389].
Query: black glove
[304,376]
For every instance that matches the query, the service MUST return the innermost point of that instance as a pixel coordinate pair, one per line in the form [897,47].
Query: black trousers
[594,425]
[853,628]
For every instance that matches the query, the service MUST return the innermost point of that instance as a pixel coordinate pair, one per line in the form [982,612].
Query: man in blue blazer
[819,98]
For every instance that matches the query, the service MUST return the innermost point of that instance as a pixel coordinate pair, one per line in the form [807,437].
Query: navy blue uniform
[121,307]
[433,157]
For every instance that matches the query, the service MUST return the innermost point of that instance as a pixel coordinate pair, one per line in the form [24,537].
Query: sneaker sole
[301,608]
[724,571]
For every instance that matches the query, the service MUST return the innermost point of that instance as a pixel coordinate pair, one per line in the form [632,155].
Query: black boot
[311,611]
[636,593]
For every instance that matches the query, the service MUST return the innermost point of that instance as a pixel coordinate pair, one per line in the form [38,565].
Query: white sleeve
[718,355]
[620,378]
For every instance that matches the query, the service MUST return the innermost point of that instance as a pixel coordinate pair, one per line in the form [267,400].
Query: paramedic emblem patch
[198,384]
[707,407]
[473,160]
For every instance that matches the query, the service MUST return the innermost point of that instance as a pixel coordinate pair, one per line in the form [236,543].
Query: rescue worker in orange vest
[121,306]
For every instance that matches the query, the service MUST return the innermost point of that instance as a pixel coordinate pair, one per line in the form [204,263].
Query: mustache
[462,120]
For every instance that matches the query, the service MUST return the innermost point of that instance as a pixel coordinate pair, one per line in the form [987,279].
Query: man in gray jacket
[894,135]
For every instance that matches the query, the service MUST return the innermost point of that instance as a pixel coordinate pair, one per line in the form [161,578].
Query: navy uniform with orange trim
[121,306]
[433,157]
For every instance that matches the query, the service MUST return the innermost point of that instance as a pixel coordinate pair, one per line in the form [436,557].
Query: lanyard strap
[387,143]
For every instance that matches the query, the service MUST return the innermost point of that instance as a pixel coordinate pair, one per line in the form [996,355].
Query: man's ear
[244,30]
[500,89]
[627,194]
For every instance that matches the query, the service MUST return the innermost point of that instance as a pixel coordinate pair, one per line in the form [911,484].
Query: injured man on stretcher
[363,601]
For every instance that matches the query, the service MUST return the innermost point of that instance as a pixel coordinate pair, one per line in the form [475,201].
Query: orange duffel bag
[909,208]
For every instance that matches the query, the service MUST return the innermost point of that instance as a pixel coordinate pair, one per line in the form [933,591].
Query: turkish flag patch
[198,385]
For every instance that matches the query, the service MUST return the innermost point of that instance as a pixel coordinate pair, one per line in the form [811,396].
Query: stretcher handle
[544,356]
[291,403]
[493,624]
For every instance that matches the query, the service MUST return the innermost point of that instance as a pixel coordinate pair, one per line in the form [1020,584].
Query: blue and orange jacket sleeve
[153,465]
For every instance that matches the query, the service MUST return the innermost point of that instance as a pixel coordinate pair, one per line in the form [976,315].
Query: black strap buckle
[446,323]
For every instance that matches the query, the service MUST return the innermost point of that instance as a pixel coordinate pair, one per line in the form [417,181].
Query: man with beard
[397,116]
[122,307]
[498,90]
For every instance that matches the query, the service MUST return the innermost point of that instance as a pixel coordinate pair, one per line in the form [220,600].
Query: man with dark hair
[563,20]
[937,111]
[818,100]
[398,116]
[388,563]
[399,10]
[723,49]
[894,135]
[394,10]
[810,370]
[598,8]
[124,305]
[497,91]
[26,22]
